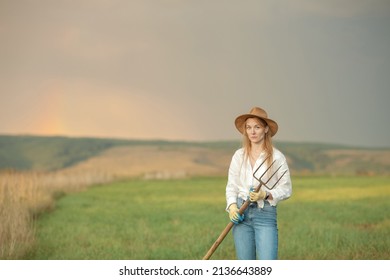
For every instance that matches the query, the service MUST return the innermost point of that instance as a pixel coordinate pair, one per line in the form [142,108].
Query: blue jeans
[257,235]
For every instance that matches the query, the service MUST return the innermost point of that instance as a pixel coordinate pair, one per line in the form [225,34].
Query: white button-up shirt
[241,179]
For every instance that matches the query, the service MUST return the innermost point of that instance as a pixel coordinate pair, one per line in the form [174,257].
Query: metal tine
[260,178]
[277,180]
[273,174]
[269,167]
[259,168]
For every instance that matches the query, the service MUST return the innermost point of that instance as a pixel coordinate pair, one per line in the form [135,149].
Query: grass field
[326,218]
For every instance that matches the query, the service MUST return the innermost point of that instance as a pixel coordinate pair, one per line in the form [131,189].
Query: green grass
[326,218]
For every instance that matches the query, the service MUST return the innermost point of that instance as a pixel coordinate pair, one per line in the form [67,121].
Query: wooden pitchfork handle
[229,227]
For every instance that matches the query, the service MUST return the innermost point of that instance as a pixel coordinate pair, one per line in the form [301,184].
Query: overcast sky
[183,70]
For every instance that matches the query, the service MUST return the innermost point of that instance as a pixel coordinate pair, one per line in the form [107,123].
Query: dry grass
[157,162]
[17,193]
[25,195]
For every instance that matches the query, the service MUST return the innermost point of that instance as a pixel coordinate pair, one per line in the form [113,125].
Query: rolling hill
[166,159]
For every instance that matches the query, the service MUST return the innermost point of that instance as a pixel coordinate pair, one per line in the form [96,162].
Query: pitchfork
[245,205]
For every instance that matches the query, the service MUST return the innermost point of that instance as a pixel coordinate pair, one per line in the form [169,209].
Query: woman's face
[255,130]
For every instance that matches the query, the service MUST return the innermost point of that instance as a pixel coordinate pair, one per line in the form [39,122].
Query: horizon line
[117,138]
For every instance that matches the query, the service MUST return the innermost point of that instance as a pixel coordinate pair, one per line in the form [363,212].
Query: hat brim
[240,121]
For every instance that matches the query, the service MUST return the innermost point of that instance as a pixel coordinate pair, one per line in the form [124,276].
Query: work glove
[255,196]
[234,216]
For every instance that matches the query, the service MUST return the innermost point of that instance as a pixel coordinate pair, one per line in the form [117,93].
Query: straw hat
[257,113]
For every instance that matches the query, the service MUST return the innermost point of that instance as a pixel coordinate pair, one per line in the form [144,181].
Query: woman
[255,232]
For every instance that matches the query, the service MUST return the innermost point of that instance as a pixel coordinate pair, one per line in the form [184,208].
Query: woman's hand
[255,196]
[234,216]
